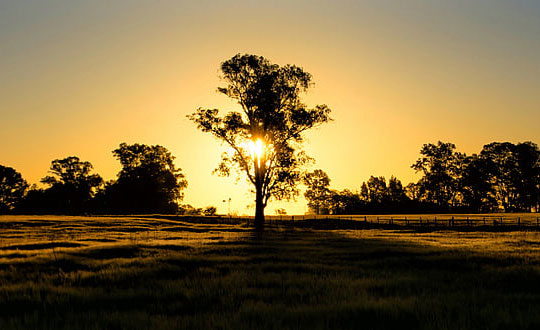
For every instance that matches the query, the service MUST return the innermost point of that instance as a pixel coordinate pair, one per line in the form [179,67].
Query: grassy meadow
[166,272]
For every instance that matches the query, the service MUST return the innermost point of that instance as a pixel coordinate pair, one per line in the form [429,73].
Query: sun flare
[257,150]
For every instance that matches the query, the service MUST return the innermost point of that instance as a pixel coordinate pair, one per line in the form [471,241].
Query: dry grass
[157,272]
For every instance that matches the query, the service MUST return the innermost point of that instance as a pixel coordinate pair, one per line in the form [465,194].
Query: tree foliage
[271,112]
[71,186]
[148,182]
[12,189]
[318,191]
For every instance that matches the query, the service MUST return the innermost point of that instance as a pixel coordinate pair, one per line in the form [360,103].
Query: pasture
[167,272]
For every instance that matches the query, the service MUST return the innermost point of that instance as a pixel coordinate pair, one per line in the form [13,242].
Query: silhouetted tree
[441,167]
[528,179]
[272,120]
[475,185]
[71,187]
[149,182]
[318,191]
[396,193]
[376,190]
[502,164]
[345,202]
[210,210]
[12,189]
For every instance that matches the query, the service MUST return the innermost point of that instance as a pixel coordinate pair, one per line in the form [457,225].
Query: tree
[441,167]
[71,185]
[395,192]
[376,189]
[475,185]
[318,191]
[501,162]
[210,211]
[344,202]
[265,137]
[12,189]
[149,182]
[528,179]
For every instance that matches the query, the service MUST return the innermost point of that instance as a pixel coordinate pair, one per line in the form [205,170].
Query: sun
[257,150]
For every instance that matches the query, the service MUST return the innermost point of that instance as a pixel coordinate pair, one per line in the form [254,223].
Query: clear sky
[80,77]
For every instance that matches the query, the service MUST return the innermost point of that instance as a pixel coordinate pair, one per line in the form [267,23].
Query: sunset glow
[257,150]
[78,78]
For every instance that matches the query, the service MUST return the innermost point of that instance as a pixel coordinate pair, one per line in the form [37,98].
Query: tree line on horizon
[148,182]
[503,177]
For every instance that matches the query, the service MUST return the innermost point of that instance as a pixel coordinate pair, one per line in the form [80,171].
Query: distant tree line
[148,182]
[502,177]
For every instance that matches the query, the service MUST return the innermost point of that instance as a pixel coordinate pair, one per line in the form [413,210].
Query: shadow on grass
[41,246]
[287,279]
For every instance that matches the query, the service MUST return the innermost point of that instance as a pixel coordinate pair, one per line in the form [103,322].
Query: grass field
[158,272]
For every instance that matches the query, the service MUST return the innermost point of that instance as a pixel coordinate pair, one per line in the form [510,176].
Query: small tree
[210,211]
[265,137]
[12,188]
[318,191]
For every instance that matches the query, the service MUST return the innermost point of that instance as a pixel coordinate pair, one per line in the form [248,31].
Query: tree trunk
[259,204]
[259,209]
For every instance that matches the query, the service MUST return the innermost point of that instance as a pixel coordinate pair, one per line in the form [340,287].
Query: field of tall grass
[166,272]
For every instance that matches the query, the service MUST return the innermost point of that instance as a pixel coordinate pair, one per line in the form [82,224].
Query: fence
[414,220]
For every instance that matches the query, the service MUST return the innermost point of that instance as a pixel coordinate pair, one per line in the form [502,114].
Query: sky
[77,78]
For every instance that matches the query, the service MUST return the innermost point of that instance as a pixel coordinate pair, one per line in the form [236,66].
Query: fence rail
[431,220]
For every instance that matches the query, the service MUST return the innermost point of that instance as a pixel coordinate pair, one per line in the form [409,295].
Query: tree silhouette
[265,137]
[12,189]
[475,185]
[528,179]
[318,191]
[395,191]
[71,185]
[502,165]
[441,167]
[149,182]
[514,173]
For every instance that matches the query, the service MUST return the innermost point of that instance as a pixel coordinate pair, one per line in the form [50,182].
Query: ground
[167,272]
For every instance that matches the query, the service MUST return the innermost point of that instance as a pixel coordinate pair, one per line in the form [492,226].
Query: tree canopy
[12,189]
[148,182]
[265,136]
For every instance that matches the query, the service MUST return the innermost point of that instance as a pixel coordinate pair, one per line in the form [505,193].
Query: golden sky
[80,77]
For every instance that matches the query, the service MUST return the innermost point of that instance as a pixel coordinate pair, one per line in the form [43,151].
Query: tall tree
[475,185]
[71,185]
[376,189]
[441,167]
[396,193]
[149,182]
[318,191]
[12,188]
[528,179]
[265,137]
[502,164]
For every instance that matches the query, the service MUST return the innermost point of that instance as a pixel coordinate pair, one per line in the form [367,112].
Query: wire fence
[413,220]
